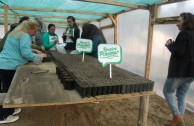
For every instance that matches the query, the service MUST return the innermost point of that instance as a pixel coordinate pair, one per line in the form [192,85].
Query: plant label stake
[109,54]
[85,46]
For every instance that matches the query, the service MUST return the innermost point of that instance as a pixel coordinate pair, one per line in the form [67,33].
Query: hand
[42,48]
[64,32]
[56,41]
[36,51]
[67,35]
[169,41]
[43,55]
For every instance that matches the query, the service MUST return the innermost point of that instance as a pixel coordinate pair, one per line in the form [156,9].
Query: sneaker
[17,111]
[9,119]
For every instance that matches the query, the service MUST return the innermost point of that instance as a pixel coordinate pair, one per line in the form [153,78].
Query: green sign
[109,54]
[84,45]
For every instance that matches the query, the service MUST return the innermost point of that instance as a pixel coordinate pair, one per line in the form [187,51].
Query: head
[185,21]
[23,19]
[51,29]
[39,19]
[71,21]
[27,26]
[89,30]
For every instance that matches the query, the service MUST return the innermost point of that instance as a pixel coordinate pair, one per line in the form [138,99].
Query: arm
[45,41]
[25,48]
[178,47]
[36,51]
[64,36]
[76,35]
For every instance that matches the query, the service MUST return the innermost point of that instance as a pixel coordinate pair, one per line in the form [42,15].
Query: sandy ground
[115,113]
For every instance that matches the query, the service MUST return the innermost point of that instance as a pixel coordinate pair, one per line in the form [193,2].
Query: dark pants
[6,77]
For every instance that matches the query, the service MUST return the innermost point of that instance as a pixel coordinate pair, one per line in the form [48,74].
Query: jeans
[181,85]
[6,77]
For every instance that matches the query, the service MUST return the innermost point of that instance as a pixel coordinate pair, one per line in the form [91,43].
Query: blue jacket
[16,52]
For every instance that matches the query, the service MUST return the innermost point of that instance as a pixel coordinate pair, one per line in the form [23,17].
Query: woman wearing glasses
[181,68]
[71,34]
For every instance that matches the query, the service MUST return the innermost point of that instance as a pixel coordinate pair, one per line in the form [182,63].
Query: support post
[6,8]
[143,110]
[150,39]
[115,29]
[113,18]
[15,18]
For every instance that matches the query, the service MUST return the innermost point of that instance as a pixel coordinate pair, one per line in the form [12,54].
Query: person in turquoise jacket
[50,39]
[16,52]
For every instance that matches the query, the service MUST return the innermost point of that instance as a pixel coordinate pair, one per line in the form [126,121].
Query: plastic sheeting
[72,5]
[132,37]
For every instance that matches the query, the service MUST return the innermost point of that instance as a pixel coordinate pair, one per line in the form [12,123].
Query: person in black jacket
[181,68]
[93,33]
[71,34]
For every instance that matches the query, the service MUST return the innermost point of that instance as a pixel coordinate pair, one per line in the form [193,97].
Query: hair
[23,19]
[39,20]
[51,25]
[24,28]
[73,19]
[89,30]
[188,21]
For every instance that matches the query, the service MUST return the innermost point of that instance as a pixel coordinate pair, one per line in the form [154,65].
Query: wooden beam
[6,8]
[112,2]
[150,39]
[143,110]
[112,18]
[115,29]
[15,18]
[47,16]
[169,2]
[167,20]
[57,22]
[57,10]
[107,26]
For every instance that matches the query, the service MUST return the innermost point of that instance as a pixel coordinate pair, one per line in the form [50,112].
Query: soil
[114,113]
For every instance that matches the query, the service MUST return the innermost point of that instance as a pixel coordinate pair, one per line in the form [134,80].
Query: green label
[84,45]
[109,54]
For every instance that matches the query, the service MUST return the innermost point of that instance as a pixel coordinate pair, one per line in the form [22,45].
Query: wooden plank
[45,89]
[115,29]
[167,20]
[107,26]
[57,10]
[6,8]
[2,98]
[163,2]
[116,3]
[112,18]
[143,110]
[15,18]
[48,16]
[149,45]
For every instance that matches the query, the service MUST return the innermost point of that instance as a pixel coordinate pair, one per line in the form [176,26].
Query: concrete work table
[38,85]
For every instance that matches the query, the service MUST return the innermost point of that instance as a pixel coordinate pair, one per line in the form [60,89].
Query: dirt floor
[115,113]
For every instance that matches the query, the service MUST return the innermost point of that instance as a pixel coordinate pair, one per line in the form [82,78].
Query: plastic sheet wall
[133,46]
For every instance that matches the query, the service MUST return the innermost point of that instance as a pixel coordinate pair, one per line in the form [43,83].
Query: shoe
[17,111]
[9,119]
[176,121]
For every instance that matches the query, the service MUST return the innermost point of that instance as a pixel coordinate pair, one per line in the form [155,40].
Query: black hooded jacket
[182,55]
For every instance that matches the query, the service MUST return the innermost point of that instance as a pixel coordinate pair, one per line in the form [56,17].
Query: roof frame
[56,10]
[115,3]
